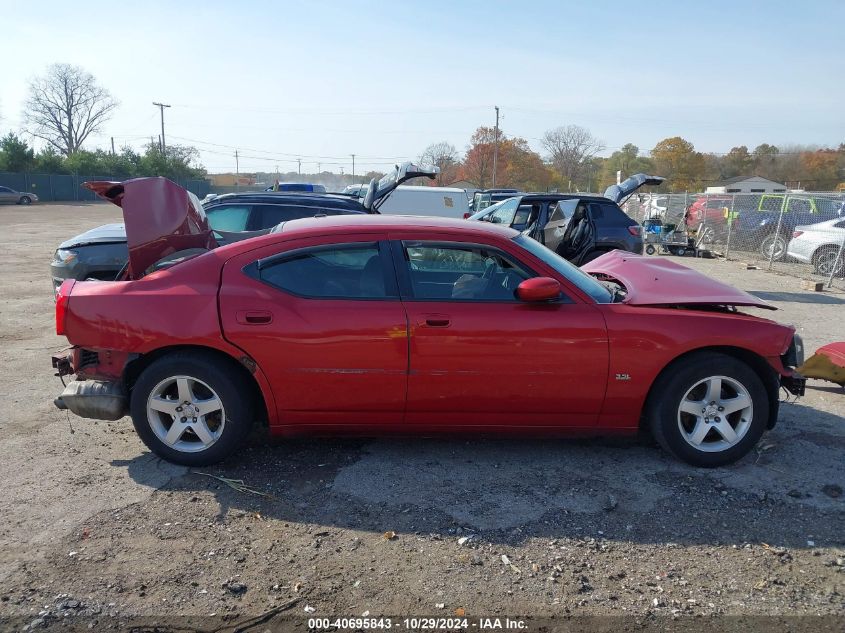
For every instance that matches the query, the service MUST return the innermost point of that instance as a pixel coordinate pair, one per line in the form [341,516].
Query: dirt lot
[91,524]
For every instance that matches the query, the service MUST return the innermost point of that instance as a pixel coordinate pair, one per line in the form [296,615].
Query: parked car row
[804,228]
[372,324]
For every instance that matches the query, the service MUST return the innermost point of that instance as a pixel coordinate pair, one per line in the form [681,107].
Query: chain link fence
[799,234]
[68,187]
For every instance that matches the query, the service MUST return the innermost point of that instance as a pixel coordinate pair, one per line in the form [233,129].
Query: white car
[820,245]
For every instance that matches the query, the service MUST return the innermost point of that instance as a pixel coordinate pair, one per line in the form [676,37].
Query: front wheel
[774,243]
[191,408]
[650,250]
[828,259]
[709,410]
[25,200]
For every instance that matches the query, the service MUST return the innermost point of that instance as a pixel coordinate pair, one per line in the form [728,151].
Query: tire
[680,251]
[824,258]
[25,200]
[201,440]
[650,250]
[696,435]
[776,242]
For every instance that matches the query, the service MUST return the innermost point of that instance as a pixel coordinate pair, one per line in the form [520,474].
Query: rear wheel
[650,250]
[827,259]
[25,200]
[709,409]
[191,408]
[774,243]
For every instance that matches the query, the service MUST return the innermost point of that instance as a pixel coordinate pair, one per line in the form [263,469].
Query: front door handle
[254,317]
[437,320]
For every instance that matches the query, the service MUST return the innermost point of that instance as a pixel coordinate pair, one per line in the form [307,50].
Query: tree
[820,169]
[49,161]
[737,162]
[570,149]
[66,106]
[442,155]
[628,161]
[524,169]
[766,161]
[478,162]
[676,160]
[176,164]
[15,154]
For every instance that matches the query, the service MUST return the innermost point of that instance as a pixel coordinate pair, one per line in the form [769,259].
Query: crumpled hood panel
[651,280]
[161,218]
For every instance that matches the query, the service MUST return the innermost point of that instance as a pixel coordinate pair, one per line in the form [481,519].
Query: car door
[559,219]
[322,319]
[481,358]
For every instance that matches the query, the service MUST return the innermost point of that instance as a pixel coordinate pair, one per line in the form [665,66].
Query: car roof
[343,223]
[542,197]
[310,198]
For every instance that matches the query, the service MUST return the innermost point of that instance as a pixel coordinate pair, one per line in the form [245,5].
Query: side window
[5,190]
[799,205]
[272,214]
[505,213]
[461,272]
[522,217]
[771,203]
[348,271]
[563,210]
[228,218]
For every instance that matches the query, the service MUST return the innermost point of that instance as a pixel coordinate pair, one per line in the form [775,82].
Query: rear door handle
[437,320]
[254,317]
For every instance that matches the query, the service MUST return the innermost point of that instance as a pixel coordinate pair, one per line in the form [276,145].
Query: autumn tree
[524,169]
[570,149]
[820,169]
[66,106]
[737,162]
[478,162]
[676,160]
[444,156]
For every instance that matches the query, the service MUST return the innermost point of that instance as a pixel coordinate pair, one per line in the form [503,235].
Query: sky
[319,80]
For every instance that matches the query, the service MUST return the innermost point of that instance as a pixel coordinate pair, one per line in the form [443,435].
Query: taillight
[636,230]
[62,298]
[797,233]
[466,216]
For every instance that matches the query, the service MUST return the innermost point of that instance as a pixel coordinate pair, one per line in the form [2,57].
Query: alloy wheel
[778,244]
[826,260]
[186,414]
[715,414]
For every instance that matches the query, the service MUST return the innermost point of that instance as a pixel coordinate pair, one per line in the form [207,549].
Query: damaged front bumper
[794,383]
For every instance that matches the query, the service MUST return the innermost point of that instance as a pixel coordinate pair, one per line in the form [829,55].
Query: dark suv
[578,227]
[102,252]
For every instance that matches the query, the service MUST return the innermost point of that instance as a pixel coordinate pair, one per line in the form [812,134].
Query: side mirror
[538,289]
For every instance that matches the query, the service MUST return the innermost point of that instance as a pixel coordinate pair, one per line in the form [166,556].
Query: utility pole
[319,168]
[496,146]
[353,167]
[237,172]
[299,166]
[112,146]
[161,107]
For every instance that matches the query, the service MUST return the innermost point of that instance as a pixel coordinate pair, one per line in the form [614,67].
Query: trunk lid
[379,190]
[161,218]
[618,193]
[658,281]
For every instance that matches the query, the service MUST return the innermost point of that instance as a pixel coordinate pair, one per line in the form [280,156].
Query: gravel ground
[92,525]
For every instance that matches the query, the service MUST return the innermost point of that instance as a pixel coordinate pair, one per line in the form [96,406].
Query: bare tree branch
[570,149]
[66,106]
[442,155]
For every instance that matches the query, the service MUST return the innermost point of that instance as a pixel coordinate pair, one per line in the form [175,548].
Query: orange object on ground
[828,363]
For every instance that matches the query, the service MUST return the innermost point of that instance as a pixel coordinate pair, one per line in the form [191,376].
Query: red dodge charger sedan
[379,325]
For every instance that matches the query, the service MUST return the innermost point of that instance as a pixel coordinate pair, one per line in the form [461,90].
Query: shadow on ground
[515,489]
[798,297]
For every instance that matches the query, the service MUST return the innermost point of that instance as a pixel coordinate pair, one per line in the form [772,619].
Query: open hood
[618,193]
[161,218]
[379,190]
[661,281]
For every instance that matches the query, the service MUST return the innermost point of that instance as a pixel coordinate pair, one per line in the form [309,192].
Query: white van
[444,202]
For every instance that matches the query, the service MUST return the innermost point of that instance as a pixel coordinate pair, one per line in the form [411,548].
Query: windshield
[585,282]
[504,208]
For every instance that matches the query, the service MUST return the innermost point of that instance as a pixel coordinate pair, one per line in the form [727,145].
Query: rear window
[608,214]
[271,215]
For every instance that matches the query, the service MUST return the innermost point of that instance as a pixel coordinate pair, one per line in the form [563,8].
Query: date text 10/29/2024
[418,623]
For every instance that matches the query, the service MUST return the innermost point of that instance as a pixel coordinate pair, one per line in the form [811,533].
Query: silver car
[10,196]
[820,245]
